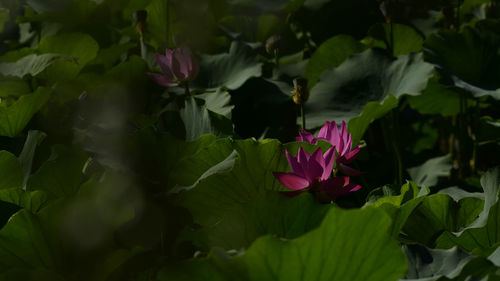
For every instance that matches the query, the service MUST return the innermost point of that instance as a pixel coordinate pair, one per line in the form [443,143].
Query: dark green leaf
[33,140]
[229,70]
[329,54]
[60,175]
[14,118]
[428,173]
[342,92]
[11,171]
[338,249]
[470,56]
[13,87]
[30,64]
[429,264]
[233,206]
[82,47]
[198,120]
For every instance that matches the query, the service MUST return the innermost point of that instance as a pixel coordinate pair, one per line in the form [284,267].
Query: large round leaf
[14,118]
[330,53]
[349,245]
[230,70]
[471,57]
[342,92]
[78,45]
[233,206]
[11,171]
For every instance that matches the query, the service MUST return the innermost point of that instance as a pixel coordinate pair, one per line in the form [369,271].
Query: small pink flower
[178,66]
[314,172]
[341,140]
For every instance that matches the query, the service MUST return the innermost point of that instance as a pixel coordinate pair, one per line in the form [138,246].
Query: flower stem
[303,117]
[392,37]
[276,58]
[186,89]
[396,146]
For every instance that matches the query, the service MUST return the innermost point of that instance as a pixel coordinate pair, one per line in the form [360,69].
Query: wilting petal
[305,136]
[296,168]
[291,180]
[349,171]
[333,184]
[329,161]
[161,79]
[165,63]
[351,187]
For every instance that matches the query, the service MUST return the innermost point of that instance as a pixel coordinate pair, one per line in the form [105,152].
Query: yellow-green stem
[303,117]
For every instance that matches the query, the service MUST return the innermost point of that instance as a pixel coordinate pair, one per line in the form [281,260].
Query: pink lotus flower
[313,172]
[341,140]
[178,67]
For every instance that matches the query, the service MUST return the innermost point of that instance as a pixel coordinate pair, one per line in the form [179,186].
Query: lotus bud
[273,45]
[300,92]
[140,18]
[388,9]
[448,12]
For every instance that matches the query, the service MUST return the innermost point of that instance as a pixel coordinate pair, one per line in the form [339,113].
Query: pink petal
[333,184]
[165,63]
[335,137]
[347,144]
[312,170]
[296,168]
[176,65]
[329,161]
[317,157]
[302,156]
[349,171]
[161,79]
[351,187]
[343,132]
[351,155]
[183,56]
[291,180]
[305,136]
[323,132]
